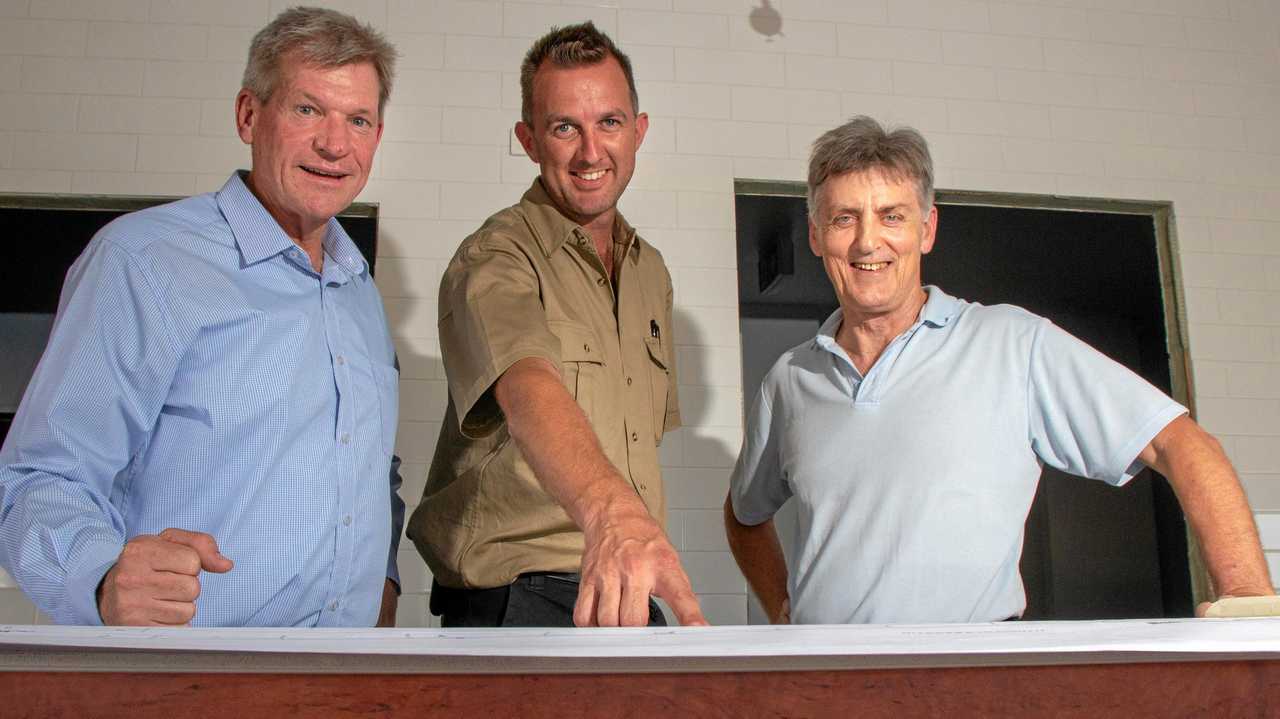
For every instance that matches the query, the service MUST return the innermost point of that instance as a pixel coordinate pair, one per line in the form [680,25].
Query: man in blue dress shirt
[912,429]
[208,437]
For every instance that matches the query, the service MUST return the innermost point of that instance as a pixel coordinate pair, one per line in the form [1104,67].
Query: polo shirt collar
[258,236]
[938,311]
[552,229]
[940,308]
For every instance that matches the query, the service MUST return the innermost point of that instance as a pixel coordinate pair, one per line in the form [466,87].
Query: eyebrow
[880,209]
[553,119]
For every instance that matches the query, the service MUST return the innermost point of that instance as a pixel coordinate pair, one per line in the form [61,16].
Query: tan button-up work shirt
[529,283]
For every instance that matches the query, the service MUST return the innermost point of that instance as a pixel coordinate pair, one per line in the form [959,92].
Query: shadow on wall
[409,287]
[696,462]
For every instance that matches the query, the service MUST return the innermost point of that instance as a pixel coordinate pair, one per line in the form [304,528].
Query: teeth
[870,266]
[591,175]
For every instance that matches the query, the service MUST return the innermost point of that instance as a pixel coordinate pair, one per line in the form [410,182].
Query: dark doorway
[1091,551]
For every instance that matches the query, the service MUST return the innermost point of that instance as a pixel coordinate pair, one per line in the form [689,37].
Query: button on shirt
[201,375]
[913,482]
[529,283]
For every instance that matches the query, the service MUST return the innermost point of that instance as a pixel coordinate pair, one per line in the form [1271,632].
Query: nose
[332,138]
[589,147]
[866,237]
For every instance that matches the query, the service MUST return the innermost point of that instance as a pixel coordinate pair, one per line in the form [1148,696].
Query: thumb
[206,547]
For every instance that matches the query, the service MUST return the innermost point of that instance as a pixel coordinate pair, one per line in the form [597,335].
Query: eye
[361,122]
[842,221]
[611,123]
[306,110]
[563,129]
[893,218]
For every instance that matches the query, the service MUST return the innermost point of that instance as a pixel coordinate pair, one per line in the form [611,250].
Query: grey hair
[569,47]
[321,37]
[862,144]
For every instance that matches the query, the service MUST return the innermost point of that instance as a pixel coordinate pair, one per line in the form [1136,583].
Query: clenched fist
[155,581]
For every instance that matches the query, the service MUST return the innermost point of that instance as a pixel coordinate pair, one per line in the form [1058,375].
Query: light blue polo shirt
[913,483]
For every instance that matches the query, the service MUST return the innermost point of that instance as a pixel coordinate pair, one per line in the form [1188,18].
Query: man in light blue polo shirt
[912,429]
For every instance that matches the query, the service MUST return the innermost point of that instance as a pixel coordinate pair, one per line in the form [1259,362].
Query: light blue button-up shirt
[202,375]
[913,481]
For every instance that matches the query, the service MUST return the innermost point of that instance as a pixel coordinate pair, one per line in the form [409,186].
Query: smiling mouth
[590,176]
[330,174]
[869,266]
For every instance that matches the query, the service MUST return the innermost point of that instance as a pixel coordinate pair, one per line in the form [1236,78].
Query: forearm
[561,447]
[759,556]
[57,542]
[1215,506]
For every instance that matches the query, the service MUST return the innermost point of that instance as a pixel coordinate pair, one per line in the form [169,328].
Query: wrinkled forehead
[893,179]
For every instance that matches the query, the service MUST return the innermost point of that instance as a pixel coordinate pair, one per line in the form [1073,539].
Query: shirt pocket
[581,360]
[388,380]
[659,380]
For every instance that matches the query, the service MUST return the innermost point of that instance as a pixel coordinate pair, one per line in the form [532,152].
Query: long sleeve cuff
[80,605]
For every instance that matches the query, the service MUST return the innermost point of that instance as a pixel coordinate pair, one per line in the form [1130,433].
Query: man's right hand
[624,561]
[155,580]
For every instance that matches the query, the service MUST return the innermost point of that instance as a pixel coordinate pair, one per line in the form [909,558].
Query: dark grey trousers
[538,599]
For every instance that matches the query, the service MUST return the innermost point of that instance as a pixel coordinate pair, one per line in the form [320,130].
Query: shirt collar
[552,229]
[259,236]
[938,311]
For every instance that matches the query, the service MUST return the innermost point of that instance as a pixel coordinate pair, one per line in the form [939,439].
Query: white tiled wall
[1146,99]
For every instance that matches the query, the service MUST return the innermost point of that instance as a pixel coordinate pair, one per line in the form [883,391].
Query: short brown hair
[321,37]
[862,144]
[571,46]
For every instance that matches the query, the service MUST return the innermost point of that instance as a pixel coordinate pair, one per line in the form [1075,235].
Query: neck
[310,239]
[600,230]
[314,247]
[864,336]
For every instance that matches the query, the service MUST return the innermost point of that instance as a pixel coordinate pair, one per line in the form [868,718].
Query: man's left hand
[390,599]
[1241,605]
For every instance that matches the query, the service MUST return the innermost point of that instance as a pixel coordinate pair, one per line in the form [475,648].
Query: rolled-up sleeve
[491,316]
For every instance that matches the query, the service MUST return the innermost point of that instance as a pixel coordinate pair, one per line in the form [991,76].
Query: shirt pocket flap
[577,342]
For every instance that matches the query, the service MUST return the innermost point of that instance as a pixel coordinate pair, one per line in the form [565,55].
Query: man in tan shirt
[555,329]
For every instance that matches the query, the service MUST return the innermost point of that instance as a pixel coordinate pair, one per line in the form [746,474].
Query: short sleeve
[1089,415]
[491,316]
[757,488]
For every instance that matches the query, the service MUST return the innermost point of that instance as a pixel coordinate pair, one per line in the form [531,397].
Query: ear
[524,134]
[930,231]
[247,110]
[642,127]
